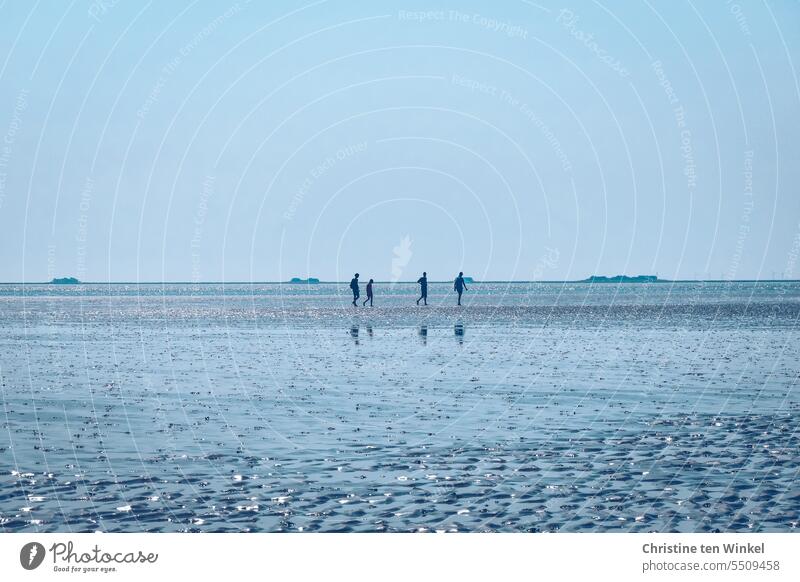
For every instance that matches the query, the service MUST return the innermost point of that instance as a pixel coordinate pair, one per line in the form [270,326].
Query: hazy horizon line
[516,281]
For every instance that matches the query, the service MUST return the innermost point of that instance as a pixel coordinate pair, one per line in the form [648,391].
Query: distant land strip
[590,280]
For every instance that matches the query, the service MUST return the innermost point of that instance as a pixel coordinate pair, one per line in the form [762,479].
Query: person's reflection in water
[423,334]
[459,330]
[354,333]
[369,330]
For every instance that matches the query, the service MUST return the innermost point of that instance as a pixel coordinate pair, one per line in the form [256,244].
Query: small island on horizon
[622,279]
[309,281]
[65,281]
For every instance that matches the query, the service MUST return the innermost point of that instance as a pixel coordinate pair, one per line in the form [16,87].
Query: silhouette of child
[369,293]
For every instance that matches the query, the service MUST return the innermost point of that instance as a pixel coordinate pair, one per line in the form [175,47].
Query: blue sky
[239,141]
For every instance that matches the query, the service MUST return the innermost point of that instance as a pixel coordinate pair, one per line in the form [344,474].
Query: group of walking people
[459,286]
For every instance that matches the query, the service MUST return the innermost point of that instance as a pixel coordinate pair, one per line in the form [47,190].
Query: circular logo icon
[31,555]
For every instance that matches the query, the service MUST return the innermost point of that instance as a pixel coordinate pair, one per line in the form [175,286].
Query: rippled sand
[202,414]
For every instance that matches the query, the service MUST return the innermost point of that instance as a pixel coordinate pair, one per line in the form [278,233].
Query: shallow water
[535,407]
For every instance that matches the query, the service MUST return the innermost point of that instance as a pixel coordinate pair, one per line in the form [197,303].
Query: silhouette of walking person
[354,287]
[369,293]
[459,285]
[423,288]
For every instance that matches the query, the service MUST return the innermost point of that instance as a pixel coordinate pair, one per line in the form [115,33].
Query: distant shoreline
[515,282]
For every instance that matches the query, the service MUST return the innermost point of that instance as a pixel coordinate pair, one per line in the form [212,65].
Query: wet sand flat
[646,409]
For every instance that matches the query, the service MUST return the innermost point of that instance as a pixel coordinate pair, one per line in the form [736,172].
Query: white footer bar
[374,557]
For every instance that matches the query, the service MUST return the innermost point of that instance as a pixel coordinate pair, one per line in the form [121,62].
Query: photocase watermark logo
[548,260]
[69,559]
[569,20]
[100,8]
[31,555]
[401,257]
